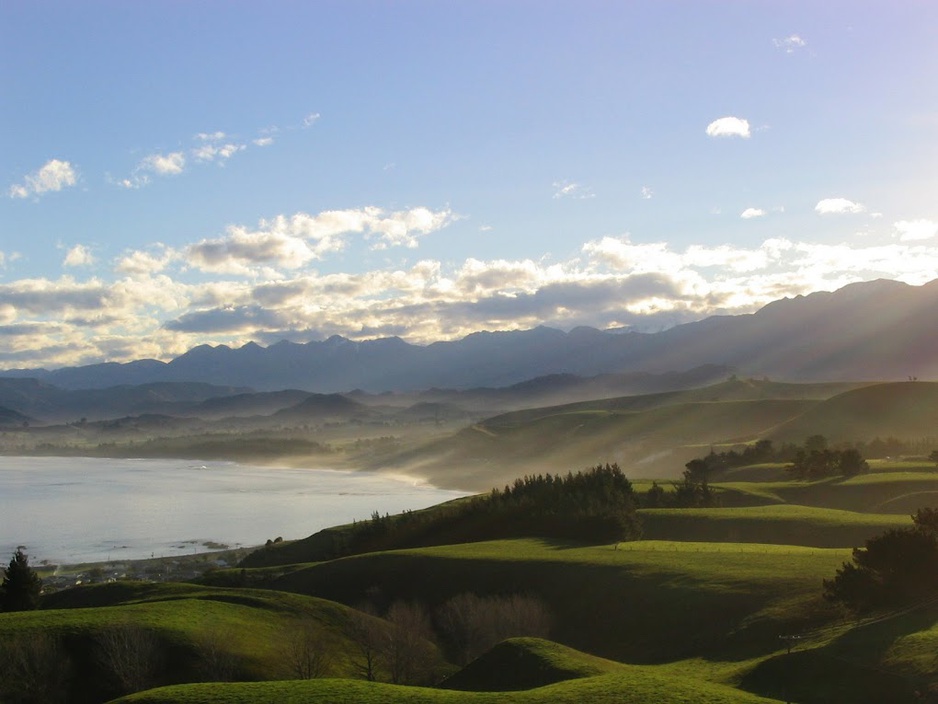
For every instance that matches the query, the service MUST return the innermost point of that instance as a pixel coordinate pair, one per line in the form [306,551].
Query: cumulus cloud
[164,164]
[838,206]
[146,262]
[910,230]
[263,141]
[311,119]
[54,175]
[647,193]
[171,164]
[750,213]
[228,319]
[79,255]
[790,44]
[289,242]
[570,189]
[729,127]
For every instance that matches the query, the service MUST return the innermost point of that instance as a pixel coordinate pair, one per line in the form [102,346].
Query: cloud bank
[263,287]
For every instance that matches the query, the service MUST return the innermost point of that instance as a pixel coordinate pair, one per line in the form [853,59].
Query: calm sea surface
[68,510]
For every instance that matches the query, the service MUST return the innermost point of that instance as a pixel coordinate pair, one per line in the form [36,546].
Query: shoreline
[177,568]
[155,514]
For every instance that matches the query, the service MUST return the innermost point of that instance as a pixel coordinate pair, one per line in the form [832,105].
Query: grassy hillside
[654,435]
[695,598]
[892,492]
[194,629]
[653,442]
[905,410]
[779,524]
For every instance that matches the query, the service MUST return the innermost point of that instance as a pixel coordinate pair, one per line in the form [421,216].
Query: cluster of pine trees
[594,505]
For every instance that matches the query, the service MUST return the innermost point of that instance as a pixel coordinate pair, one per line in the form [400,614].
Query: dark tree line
[594,505]
[813,460]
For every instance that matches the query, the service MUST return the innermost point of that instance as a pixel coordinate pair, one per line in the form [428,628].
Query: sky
[177,173]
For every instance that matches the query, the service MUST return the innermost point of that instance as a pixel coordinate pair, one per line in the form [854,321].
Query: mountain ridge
[874,330]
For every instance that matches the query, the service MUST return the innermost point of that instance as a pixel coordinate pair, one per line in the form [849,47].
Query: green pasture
[782,524]
[887,492]
[645,602]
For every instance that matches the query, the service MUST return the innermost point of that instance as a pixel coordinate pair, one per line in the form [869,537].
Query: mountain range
[877,330]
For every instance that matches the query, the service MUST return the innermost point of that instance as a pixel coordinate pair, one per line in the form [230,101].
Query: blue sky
[180,173]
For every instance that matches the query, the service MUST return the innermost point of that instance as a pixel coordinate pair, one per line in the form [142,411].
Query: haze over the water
[223,172]
[91,509]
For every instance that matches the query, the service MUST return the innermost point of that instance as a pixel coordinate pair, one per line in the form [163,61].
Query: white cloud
[53,176]
[647,193]
[790,44]
[750,213]
[164,164]
[79,255]
[210,136]
[910,230]
[311,119]
[290,242]
[569,189]
[263,141]
[838,206]
[729,127]
[146,263]
[171,164]
[217,152]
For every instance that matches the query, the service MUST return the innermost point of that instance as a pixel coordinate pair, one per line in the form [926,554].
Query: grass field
[648,601]
[782,524]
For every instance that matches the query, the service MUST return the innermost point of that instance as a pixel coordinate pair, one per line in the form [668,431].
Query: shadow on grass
[849,669]
[613,611]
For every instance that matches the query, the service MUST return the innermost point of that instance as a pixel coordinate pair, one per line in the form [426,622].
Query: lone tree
[21,585]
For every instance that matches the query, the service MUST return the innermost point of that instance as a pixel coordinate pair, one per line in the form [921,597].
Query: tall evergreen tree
[21,585]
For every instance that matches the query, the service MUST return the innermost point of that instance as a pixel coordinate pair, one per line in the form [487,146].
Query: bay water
[67,510]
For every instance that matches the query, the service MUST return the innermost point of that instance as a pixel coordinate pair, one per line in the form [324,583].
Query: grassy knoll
[648,601]
[776,524]
[526,663]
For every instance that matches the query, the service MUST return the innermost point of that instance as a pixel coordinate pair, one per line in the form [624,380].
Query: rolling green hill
[196,630]
[654,435]
[905,410]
